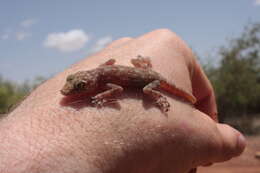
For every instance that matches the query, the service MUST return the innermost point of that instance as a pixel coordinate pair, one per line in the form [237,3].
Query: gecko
[114,78]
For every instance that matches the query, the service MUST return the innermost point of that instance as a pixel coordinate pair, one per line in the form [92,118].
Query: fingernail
[241,144]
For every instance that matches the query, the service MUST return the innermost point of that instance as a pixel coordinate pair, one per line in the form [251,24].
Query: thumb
[233,142]
[219,142]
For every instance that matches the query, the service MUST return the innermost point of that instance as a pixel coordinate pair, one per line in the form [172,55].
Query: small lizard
[115,77]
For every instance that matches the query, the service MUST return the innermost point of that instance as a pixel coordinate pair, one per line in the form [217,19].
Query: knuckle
[170,38]
[119,42]
[165,33]
[124,39]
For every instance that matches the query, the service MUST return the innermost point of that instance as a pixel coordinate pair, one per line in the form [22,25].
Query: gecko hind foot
[142,62]
[163,104]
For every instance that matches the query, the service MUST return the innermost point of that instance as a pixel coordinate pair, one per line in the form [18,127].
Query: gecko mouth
[67,92]
[67,89]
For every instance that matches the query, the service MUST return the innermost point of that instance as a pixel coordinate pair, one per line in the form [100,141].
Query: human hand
[51,137]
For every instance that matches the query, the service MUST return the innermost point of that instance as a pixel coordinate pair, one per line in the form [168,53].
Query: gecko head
[77,83]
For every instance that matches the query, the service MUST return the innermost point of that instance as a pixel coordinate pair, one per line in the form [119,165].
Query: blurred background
[41,38]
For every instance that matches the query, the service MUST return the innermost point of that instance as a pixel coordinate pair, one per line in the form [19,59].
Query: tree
[237,78]
[11,93]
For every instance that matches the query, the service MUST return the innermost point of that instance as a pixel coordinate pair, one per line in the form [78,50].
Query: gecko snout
[63,92]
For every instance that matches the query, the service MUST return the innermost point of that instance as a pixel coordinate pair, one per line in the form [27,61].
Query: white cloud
[22,31]
[101,43]
[28,23]
[22,35]
[257,2]
[67,41]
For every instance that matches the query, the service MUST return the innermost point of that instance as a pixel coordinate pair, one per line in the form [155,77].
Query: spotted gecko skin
[115,77]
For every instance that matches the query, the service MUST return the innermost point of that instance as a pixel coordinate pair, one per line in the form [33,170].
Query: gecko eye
[80,85]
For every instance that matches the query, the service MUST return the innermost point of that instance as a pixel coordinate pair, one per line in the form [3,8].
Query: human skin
[45,135]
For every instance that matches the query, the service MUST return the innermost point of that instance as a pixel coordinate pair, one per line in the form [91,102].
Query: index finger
[203,91]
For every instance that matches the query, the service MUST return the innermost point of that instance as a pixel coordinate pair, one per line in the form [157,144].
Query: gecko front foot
[104,97]
[100,102]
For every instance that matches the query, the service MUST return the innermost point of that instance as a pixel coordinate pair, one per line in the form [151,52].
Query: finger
[233,142]
[203,91]
[222,142]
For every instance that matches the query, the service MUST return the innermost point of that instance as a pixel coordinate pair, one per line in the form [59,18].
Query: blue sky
[41,38]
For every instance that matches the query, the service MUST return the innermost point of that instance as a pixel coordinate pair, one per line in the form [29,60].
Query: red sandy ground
[246,163]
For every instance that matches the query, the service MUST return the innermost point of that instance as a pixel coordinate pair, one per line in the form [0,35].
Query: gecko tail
[173,89]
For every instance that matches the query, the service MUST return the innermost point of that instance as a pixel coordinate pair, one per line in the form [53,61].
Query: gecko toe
[97,102]
[163,104]
[101,102]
